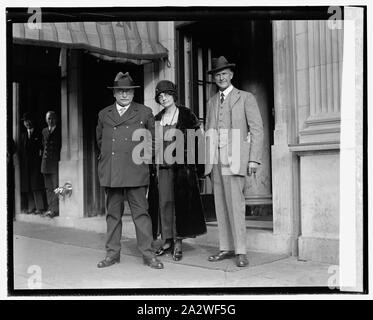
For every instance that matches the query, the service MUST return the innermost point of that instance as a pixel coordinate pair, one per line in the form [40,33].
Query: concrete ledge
[95,224]
[257,239]
[320,250]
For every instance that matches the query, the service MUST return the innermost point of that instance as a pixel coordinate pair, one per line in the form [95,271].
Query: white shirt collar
[51,129]
[226,91]
[119,107]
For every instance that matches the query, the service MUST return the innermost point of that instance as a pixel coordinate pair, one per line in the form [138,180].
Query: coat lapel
[112,114]
[235,97]
[214,111]
[129,114]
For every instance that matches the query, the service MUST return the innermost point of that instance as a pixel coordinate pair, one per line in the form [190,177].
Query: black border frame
[66,14]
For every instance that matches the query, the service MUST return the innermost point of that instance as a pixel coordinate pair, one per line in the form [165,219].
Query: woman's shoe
[177,253]
[167,247]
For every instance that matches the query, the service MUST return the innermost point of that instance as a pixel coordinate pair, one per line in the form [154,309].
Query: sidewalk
[67,258]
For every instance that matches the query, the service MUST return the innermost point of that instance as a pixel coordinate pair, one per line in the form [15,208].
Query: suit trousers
[35,200]
[138,203]
[51,183]
[230,208]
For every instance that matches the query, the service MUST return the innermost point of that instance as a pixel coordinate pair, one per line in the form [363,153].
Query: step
[260,237]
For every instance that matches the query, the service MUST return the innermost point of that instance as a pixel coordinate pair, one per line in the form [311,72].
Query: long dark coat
[116,167]
[189,215]
[30,161]
[52,144]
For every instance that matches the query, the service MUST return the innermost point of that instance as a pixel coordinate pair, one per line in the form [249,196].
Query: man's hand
[252,168]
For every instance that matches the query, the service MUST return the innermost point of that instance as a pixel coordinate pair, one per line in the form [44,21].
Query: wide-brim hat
[220,63]
[123,81]
[27,116]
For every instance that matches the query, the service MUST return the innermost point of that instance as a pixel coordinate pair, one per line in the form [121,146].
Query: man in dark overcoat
[120,174]
[49,165]
[32,184]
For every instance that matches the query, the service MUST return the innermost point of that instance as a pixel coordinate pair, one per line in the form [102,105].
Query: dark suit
[121,176]
[49,165]
[32,182]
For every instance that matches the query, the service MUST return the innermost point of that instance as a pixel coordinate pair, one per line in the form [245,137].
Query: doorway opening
[248,44]
[36,90]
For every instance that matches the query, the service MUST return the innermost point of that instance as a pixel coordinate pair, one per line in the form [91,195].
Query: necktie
[222,98]
[29,134]
[121,111]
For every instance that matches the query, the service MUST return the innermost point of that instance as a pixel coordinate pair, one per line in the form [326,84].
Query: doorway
[248,44]
[36,90]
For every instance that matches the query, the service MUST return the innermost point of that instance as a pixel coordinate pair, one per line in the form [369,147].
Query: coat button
[113,139]
[113,153]
[115,128]
[125,139]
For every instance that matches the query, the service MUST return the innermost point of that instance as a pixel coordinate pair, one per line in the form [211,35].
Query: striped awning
[133,41]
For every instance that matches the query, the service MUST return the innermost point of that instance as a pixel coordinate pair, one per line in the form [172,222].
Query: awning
[133,41]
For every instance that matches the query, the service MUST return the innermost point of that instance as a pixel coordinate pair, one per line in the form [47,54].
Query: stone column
[163,69]
[318,86]
[71,164]
[319,71]
[16,138]
[284,163]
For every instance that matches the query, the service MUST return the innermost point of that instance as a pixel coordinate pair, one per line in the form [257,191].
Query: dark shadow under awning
[124,41]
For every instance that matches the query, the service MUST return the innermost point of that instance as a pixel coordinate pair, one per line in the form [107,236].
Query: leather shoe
[164,249]
[242,260]
[51,214]
[177,254]
[153,262]
[47,213]
[221,256]
[107,262]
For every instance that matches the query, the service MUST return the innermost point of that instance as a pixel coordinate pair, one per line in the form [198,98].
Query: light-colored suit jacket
[245,116]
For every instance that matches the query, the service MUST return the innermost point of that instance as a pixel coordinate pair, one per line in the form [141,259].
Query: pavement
[53,257]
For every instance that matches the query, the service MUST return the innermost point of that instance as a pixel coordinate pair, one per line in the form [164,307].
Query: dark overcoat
[114,133]
[30,161]
[189,213]
[51,150]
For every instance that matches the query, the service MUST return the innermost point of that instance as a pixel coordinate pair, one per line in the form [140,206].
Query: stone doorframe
[285,164]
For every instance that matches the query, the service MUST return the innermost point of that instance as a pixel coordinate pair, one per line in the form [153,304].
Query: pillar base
[72,171]
[319,249]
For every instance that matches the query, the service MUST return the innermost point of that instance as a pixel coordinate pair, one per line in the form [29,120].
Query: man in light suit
[120,174]
[235,151]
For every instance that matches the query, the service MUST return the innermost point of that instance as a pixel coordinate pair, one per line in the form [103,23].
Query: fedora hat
[220,64]
[123,81]
[27,116]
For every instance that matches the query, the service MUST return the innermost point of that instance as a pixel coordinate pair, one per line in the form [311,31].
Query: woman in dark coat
[174,198]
